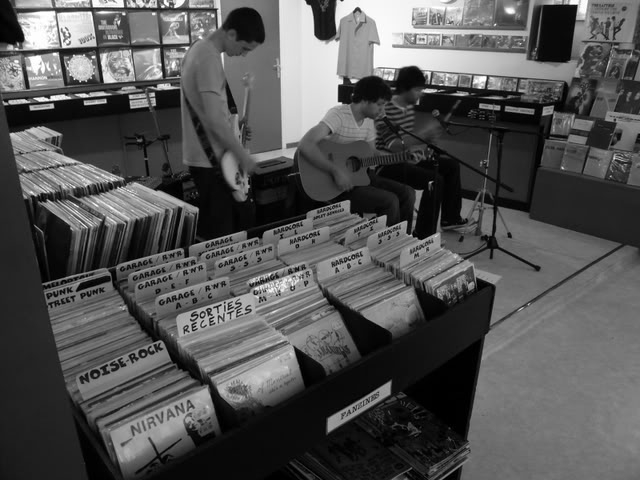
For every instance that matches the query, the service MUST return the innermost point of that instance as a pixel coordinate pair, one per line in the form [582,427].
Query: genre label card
[89,288]
[191,297]
[208,317]
[423,249]
[124,269]
[343,263]
[277,274]
[365,229]
[273,236]
[151,288]
[245,259]
[136,277]
[210,256]
[388,234]
[314,237]
[358,407]
[197,249]
[285,286]
[333,210]
[74,278]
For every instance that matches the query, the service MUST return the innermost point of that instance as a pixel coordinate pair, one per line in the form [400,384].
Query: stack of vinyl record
[339,225]
[119,377]
[374,292]
[387,249]
[35,139]
[429,446]
[29,162]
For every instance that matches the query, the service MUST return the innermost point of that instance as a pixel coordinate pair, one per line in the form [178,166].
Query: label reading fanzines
[377,239]
[244,259]
[283,272]
[284,286]
[191,297]
[425,248]
[285,231]
[137,277]
[216,314]
[314,237]
[210,256]
[121,369]
[343,263]
[333,210]
[199,248]
[124,269]
[74,278]
[78,292]
[152,287]
[365,229]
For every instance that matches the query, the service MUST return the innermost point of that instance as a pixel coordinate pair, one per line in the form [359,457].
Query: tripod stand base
[492,244]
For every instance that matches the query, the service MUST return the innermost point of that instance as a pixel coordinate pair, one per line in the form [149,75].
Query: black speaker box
[552,28]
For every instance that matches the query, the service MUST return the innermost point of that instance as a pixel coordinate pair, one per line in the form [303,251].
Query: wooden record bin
[437,364]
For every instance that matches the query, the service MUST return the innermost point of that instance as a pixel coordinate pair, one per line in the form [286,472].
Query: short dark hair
[247,23]
[408,78]
[371,89]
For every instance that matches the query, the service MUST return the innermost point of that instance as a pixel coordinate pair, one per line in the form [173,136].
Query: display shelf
[438,363]
[474,49]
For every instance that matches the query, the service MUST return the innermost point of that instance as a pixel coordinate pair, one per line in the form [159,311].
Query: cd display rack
[438,365]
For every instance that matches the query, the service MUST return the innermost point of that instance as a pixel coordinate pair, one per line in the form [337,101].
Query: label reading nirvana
[343,263]
[75,293]
[277,274]
[115,372]
[358,407]
[74,278]
[191,297]
[152,287]
[388,234]
[210,256]
[285,231]
[197,249]
[333,210]
[365,229]
[423,249]
[245,259]
[208,317]
[124,269]
[136,277]
[284,286]
[309,239]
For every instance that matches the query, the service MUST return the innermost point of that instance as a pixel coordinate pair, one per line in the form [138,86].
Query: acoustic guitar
[352,158]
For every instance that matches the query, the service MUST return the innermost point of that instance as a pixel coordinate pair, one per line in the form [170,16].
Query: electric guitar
[236,178]
[351,158]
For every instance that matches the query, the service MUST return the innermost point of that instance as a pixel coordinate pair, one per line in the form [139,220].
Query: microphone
[444,121]
[392,126]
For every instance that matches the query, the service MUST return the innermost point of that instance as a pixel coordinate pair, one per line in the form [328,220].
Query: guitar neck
[385,159]
[245,114]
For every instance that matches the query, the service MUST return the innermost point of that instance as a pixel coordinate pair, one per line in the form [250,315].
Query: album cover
[147,64]
[436,15]
[453,17]
[410,39]
[510,84]
[618,62]
[448,40]
[174,27]
[561,124]
[202,4]
[108,3]
[112,28]
[490,41]
[451,79]
[464,80]
[494,83]
[421,38]
[475,40]
[398,314]
[553,153]
[172,3]
[574,157]
[597,163]
[462,40]
[427,76]
[202,24]
[117,65]
[593,60]
[479,81]
[11,73]
[632,66]
[607,93]
[378,72]
[543,90]
[518,42]
[581,95]
[420,17]
[44,70]
[437,78]
[81,68]
[433,39]
[142,3]
[580,130]
[620,167]
[173,61]
[33,3]
[629,98]
[143,28]
[601,134]
[40,30]
[634,174]
[503,41]
[76,29]
[611,20]
[478,13]
[627,130]
[512,14]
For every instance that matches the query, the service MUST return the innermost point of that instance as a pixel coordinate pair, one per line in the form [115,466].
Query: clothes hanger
[357,10]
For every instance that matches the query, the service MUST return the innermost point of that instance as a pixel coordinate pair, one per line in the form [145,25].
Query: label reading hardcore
[343,263]
[425,248]
[388,234]
[365,229]
[273,236]
[333,210]
[299,242]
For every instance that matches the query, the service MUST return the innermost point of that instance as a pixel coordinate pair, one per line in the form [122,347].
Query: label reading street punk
[199,248]
[124,269]
[285,286]
[377,239]
[285,231]
[343,263]
[304,240]
[425,248]
[245,259]
[208,317]
[152,287]
[365,229]
[191,297]
[89,288]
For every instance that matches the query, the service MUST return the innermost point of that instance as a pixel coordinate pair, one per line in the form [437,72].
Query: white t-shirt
[344,128]
[202,71]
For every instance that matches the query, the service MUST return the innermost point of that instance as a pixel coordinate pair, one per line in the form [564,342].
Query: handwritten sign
[343,263]
[284,286]
[212,315]
[74,278]
[277,274]
[333,210]
[210,256]
[387,235]
[136,277]
[365,229]
[244,259]
[199,248]
[140,100]
[124,269]
[191,297]
[75,293]
[415,253]
[274,235]
[152,287]
[304,240]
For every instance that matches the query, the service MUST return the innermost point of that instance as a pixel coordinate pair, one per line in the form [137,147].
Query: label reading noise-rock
[212,315]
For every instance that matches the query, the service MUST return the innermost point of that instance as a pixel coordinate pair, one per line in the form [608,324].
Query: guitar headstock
[248,79]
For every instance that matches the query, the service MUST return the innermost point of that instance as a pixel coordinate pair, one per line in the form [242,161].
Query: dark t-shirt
[324,18]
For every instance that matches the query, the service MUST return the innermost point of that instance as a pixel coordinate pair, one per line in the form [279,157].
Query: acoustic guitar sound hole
[353,164]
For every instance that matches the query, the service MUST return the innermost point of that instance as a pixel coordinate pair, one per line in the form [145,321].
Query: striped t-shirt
[344,128]
[402,116]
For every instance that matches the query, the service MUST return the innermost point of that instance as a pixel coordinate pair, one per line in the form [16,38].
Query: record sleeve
[147,63]
[597,163]
[448,40]
[518,42]
[478,13]
[475,40]
[33,3]
[172,3]
[80,68]
[618,63]
[620,167]
[142,3]
[464,80]
[593,60]
[462,40]
[511,14]
[627,130]
[581,95]
[76,29]
[629,99]
[632,66]
[202,23]
[44,70]
[436,16]
[574,157]
[553,153]
[453,17]
[143,26]
[490,41]
[173,60]
[607,94]
[611,20]
[174,27]
[112,27]
[420,17]
[117,65]
[433,39]
[108,3]
[479,81]
[634,174]
[40,30]
[202,4]
[11,73]
[503,41]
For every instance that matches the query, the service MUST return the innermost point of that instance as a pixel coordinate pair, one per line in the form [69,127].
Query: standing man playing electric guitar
[345,124]
[207,133]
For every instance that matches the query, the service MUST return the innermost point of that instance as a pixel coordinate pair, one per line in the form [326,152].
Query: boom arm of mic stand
[461,162]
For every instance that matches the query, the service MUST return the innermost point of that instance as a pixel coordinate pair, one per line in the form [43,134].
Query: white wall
[309,81]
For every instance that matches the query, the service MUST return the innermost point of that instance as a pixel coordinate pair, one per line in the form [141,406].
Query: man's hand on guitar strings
[248,164]
[343,182]
[246,129]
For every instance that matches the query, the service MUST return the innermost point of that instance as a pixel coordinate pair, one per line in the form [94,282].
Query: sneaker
[460,222]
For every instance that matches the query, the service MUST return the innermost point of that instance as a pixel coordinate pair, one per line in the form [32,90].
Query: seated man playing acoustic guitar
[345,124]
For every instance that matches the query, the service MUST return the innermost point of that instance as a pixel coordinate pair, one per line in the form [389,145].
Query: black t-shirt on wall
[324,18]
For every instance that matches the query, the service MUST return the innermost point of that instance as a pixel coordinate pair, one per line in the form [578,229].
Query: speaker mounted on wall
[551,37]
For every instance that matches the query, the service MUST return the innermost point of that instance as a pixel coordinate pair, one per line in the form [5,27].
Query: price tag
[244,259]
[139,100]
[377,239]
[124,269]
[333,210]
[519,110]
[152,287]
[365,229]
[343,263]
[283,272]
[43,106]
[423,249]
[314,237]
[75,293]
[285,286]
[358,407]
[191,297]
[285,231]
[199,248]
[209,257]
[212,315]
[96,101]
[488,106]
[548,110]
